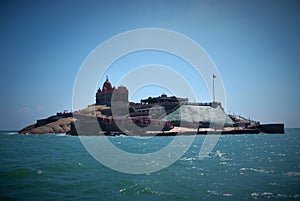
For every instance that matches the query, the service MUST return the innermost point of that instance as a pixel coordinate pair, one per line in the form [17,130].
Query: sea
[239,167]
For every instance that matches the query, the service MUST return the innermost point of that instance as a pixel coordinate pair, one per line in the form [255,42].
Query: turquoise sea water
[240,167]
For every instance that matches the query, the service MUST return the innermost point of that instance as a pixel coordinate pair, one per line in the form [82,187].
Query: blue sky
[254,44]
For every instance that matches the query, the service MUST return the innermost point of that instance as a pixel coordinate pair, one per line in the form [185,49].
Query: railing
[200,104]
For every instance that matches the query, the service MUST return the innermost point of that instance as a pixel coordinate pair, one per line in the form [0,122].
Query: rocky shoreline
[66,126]
[60,126]
[65,123]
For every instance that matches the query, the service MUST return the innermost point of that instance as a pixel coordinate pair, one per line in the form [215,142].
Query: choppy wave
[189,159]
[214,192]
[270,195]
[292,174]
[257,170]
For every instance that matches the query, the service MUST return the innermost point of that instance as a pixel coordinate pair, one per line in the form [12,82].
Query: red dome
[107,85]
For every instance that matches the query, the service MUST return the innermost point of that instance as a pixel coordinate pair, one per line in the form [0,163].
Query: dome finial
[107,85]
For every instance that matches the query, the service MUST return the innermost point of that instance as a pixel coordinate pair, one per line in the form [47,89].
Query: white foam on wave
[292,174]
[219,154]
[122,190]
[227,194]
[214,192]
[269,195]
[274,184]
[257,170]
[60,134]
[12,133]
[188,159]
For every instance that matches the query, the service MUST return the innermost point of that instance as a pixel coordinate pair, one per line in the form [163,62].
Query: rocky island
[112,114]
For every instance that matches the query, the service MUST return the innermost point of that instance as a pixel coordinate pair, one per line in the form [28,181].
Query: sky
[255,46]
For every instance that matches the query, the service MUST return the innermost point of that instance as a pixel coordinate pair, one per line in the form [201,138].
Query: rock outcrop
[62,122]
[60,126]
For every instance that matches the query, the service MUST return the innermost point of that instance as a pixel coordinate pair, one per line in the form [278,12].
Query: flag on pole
[214,76]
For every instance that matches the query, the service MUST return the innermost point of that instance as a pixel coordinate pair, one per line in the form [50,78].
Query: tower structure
[110,94]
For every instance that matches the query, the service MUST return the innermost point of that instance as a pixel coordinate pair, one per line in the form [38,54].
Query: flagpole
[213,89]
